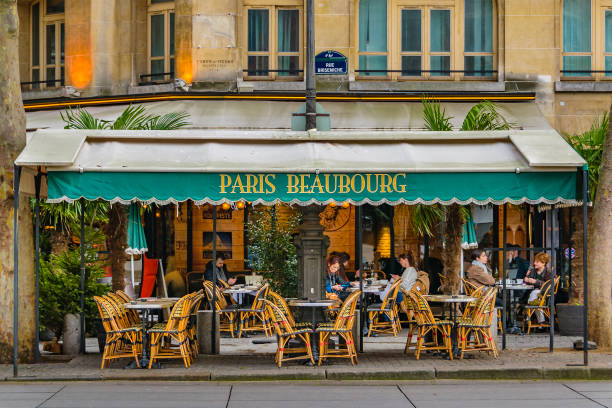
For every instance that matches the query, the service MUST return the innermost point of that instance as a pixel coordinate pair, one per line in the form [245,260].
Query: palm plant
[589,145]
[134,118]
[482,116]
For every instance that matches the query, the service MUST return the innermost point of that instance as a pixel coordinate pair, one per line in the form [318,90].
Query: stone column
[312,247]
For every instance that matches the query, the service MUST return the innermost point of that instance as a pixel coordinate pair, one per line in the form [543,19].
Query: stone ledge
[268,376]
[428,86]
[583,86]
[490,374]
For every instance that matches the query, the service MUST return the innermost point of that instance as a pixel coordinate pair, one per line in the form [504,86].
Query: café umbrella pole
[136,241]
[82,320]
[16,180]
[504,293]
[37,181]
[585,200]
[214,288]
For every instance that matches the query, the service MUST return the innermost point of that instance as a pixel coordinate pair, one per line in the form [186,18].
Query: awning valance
[393,167]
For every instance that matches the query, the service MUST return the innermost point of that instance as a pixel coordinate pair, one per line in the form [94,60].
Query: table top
[241,289]
[308,303]
[514,286]
[368,289]
[151,303]
[450,298]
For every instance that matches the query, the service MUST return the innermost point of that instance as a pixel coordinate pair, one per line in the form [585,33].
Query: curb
[294,376]
[427,374]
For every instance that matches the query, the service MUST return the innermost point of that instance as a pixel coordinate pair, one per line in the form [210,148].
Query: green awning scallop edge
[311,188]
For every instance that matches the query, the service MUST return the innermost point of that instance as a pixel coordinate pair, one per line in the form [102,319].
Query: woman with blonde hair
[536,276]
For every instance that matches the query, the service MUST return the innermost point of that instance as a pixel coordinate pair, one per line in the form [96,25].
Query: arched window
[405,39]
[47,44]
[586,39]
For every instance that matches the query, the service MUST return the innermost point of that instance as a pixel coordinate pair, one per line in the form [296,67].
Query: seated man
[219,269]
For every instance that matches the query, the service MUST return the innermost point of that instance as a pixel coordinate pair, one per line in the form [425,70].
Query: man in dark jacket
[220,269]
[515,261]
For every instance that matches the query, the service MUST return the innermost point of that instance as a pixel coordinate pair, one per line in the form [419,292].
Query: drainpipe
[311,93]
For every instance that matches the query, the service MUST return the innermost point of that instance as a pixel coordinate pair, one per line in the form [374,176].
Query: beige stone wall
[575,112]
[531,49]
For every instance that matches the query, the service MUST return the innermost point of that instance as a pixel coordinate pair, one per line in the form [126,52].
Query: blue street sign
[330,63]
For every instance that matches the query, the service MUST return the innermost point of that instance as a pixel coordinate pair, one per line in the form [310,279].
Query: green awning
[302,168]
[304,188]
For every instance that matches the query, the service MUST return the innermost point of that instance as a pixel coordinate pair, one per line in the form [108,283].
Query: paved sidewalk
[527,357]
[418,394]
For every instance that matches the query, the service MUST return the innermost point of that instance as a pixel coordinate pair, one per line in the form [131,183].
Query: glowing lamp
[345,204]
[226,206]
[240,205]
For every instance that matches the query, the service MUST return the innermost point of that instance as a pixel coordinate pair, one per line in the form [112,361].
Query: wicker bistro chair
[281,303]
[163,334]
[255,317]
[228,319]
[539,305]
[120,341]
[285,332]
[192,330]
[132,313]
[469,287]
[383,317]
[474,329]
[427,323]
[343,328]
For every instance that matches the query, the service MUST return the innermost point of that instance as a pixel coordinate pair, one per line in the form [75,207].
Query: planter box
[570,317]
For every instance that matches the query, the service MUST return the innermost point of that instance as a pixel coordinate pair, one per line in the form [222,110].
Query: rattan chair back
[346,314]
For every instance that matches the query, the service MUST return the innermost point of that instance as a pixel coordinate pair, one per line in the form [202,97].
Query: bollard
[204,328]
[357,329]
[72,334]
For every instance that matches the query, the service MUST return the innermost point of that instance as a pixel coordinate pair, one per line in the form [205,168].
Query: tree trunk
[600,253]
[60,241]
[116,233]
[12,141]
[453,230]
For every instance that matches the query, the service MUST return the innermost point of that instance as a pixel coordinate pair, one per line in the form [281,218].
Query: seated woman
[478,273]
[409,276]
[536,276]
[334,284]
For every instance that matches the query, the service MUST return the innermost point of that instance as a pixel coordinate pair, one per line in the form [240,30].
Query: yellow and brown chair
[426,323]
[228,314]
[255,318]
[192,332]
[343,328]
[540,305]
[281,303]
[170,340]
[285,332]
[383,317]
[120,341]
[474,329]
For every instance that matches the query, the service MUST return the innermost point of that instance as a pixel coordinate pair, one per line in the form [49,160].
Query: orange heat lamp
[226,206]
[240,205]
[333,204]
[345,204]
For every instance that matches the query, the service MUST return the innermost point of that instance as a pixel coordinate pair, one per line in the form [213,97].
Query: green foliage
[133,117]
[272,250]
[425,218]
[589,145]
[435,116]
[60,285]
[64,216]
[485,116]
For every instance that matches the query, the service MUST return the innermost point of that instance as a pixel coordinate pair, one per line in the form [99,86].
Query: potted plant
[570,317]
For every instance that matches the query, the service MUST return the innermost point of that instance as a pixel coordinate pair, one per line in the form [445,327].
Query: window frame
[165,9]
[457,42]
[59,21]
[272,52]
[598,44]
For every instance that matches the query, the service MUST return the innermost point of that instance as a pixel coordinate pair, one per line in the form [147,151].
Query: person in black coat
[221,270]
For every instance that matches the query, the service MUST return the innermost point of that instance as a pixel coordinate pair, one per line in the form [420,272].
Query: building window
[161,41]
[586,40]
[419,35]
[373,58]
[273,43]
[47,44]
